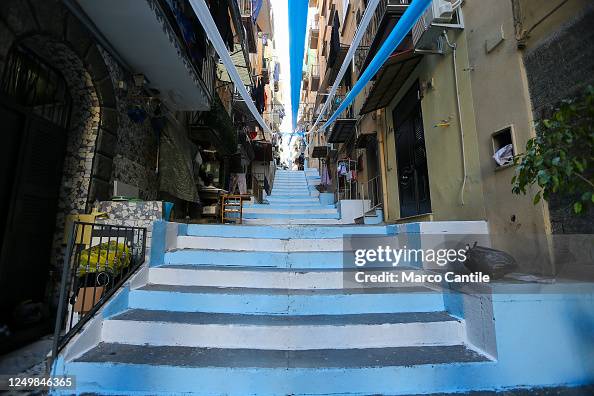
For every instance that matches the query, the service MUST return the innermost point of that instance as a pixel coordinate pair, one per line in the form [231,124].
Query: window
[345,9]
[33,84]
[503,147]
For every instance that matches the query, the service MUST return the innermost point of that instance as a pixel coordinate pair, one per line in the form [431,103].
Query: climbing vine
[560,159]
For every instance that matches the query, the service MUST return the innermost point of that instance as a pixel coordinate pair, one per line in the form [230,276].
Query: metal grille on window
[34,85]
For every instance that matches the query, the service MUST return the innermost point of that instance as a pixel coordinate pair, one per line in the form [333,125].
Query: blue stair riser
[165,380]
[301,260]
[291,215]
[281,197]
[284,304]
[308,199]
[296,206]
[282,232]
[291,192]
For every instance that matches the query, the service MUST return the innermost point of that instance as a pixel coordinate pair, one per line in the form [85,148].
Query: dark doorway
[413,178]
[34,111]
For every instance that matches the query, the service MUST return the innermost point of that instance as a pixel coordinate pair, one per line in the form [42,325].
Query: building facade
[102,99]
[422,136]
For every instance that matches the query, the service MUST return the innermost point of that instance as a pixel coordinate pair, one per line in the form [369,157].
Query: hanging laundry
[326,177]
[276,73]
[256,6]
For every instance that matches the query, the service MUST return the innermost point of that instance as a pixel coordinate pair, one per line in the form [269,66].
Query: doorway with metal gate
[35,107]
[411,155]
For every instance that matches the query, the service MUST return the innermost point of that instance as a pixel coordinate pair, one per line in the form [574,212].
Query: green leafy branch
[560,159]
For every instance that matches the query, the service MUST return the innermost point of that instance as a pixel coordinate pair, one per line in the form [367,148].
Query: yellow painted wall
[443,144]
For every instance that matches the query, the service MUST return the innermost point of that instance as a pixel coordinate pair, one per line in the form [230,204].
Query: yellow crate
[83,233]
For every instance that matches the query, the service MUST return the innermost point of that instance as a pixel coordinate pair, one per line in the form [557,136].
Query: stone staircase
[294,200]
[261,310]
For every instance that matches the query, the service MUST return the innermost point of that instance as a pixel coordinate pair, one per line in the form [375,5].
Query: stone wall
[560,67]
[135,151]
[103,144]
[132,214]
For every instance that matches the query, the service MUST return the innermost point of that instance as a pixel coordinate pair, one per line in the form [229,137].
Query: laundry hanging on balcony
[259,96]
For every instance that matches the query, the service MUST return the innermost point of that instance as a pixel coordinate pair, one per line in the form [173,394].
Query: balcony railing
[245,8]
[314,77]
[385,9]
[336,102]
[188,30]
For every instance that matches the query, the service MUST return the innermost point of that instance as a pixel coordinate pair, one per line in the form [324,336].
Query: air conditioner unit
[427,32]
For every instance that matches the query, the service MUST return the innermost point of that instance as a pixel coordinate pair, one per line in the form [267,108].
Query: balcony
[386,15]
[335,59]
[247,12]
[138,30]
[344,126]
[314,77]
[314,34]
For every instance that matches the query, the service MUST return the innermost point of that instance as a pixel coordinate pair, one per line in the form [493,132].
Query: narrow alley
[297,197]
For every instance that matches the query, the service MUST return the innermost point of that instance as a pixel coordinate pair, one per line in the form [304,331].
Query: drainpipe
[383,170]
[454,47]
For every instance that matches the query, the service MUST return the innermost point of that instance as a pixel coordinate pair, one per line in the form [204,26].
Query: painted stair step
[284,215]
[285,302]
[313,212]
[307,200]
[291,206]
[276,332]
[250,358]
[302,260]
[174,370]
[283,231]
[259,244]
[215,276]
[255,213]
[304,221]
[290,191]
[291,194]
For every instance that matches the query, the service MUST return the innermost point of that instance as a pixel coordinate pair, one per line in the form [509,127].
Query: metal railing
[336,101]
[245,7]
[383,7]
[204,65]
[99,259]
[371,190]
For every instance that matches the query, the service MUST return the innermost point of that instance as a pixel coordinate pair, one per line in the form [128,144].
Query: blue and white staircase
[262,310]
[293,200]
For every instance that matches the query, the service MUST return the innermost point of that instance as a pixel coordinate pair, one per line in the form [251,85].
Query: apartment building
[420,139]
[127,100]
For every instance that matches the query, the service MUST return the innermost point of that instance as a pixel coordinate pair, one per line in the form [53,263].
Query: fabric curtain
[176,164]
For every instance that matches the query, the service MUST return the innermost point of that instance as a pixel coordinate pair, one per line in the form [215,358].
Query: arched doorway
[35,108]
